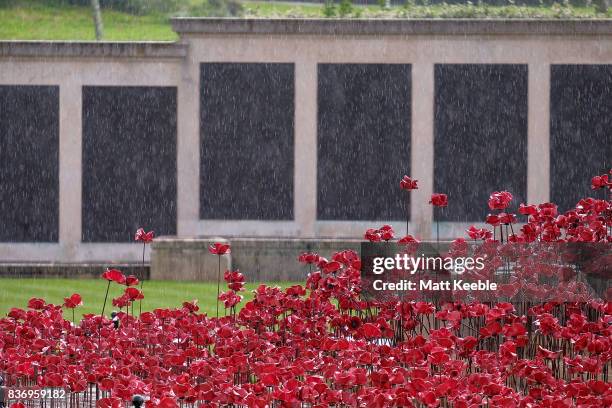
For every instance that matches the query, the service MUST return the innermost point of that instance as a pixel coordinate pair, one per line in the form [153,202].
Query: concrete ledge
[42,49]
[187,25]
[270,260]
[186,259]
[68,270]
[260,259]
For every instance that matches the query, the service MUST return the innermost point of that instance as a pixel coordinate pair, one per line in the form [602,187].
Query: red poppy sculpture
[324,344]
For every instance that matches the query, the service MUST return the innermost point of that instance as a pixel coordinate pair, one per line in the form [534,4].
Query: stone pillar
[70,169]
[422,149]
[188,149]
[538,134]
[305,148]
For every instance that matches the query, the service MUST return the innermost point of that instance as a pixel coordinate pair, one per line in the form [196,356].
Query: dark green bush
[346,8]
[329,10]
[216,8]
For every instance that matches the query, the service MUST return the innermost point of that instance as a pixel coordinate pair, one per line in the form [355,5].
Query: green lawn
[39,20]
[158,294]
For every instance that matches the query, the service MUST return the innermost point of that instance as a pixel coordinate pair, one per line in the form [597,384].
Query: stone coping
[86,264]
[355,27]
[172,242]
[170,238]
[92,49]
[168,242]
[74,270]
[187,25]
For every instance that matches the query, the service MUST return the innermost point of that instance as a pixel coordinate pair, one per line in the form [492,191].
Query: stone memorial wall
[293,130]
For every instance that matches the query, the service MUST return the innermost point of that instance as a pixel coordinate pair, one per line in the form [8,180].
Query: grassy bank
[158,294]
[38,20]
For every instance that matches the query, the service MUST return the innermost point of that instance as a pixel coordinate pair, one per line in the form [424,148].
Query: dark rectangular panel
[29,163]
[580,131]
[480,121]
[363,141]
[246,149]
[129,162]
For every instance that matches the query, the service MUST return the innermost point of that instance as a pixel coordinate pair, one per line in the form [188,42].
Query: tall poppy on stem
[133,295]
[438,200]
[499,200]
[219,249]
[309,258]
[111,275]
[145,238]
[408,184]
[73,302]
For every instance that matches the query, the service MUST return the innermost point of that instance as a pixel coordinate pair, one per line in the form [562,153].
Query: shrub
[346,8]
[217,8]
[329,10]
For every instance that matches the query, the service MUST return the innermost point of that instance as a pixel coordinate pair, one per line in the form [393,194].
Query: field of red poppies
[546,341]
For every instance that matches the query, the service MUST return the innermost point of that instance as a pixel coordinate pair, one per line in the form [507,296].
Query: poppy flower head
[384,233]
[331,267]
[295,290]
[439,200]
[493,220]
[191,306]
[219,248]
[547,210]
[73,301]
[507,218]
[474,233]
[408,239]
[121,301]
[372,235]
[134,294]
[599,182]
[530,231]
[131,281]
[235,280]
[370,331]
[36,304]
[144,237]
[309,258]
[230,298]
[18,314]
[528,209]
[499,200]
[408,184]
[114,275]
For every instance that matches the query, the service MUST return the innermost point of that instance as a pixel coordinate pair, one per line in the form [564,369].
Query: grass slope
[37,20]
[40,22]
[158,294]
